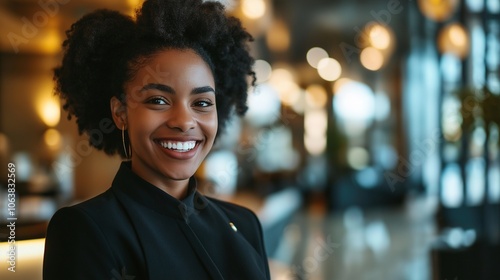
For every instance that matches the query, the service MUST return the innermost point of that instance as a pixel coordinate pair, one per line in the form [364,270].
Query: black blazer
[136,231]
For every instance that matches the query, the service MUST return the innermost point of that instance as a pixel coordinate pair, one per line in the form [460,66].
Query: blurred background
[370,149]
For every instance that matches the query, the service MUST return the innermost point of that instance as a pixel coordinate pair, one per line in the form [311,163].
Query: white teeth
[179,146]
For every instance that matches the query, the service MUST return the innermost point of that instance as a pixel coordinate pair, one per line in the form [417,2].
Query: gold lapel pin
[233,227]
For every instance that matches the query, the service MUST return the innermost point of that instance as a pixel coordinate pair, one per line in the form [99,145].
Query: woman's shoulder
[234,210]
[243,218]
[90,209]
[244,221]
[95,232]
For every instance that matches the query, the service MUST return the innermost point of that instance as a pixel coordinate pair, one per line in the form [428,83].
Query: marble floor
[381,243]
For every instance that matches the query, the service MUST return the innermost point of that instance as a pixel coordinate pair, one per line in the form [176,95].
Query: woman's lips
[179,149]
[179,146]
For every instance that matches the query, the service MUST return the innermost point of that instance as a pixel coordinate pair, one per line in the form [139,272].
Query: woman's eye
[157,101]
[204,103]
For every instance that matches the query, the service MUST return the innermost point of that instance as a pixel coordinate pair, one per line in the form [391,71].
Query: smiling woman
[169,81]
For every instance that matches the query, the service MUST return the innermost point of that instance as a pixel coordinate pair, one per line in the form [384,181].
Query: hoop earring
[123,143]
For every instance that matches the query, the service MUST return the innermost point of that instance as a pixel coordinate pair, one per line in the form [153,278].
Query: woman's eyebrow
[160,87]
[204,89]
[168,89]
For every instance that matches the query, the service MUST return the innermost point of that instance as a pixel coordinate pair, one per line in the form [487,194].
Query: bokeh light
[438,10]
[52,138]
[315,145]
[51,41]
[358,157]
[315,127]
[253,9]
[372,59]
[262,70]
[316,96]
[315,122]
[475,5]
[354,102]
[329,69]
[278,36]
[380,37]
[315,55]
[340,83]
[454,39]
[451,180]
[263,106]
[221,167]
[47,105]
[282,80]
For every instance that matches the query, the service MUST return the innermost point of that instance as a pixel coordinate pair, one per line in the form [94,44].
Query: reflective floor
[382,243]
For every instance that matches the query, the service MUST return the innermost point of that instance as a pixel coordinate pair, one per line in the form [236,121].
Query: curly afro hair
[105,48]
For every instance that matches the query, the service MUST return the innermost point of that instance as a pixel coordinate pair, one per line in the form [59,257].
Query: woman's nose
[180,117]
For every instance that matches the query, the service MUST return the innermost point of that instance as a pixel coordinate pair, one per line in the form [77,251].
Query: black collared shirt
[134,230]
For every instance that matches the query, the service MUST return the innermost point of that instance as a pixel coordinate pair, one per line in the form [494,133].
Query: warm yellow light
[4,145]
[278,36]
[380,37]
[253,9]
[29,259]
[315,145]
[316,96]
[315,123]
[299,105]
[50,41]
[52,138]
[280,79]
[329,69]
[290,96]
[315,127]
[133,5]
[283,82]
[315,55]
[458,36]
[371,58]
[438,10]
[49,111]
[454,39]
[27,249]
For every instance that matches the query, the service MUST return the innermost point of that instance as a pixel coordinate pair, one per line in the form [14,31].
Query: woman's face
[171,116]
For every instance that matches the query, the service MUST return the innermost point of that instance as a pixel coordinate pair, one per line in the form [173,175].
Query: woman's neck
[176,188]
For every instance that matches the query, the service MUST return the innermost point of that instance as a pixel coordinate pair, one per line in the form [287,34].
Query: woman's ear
[119,112]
